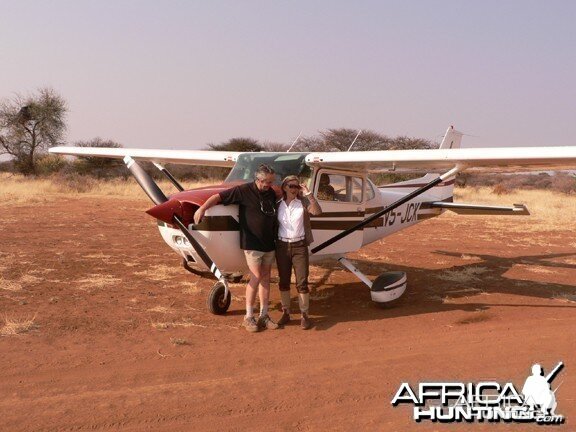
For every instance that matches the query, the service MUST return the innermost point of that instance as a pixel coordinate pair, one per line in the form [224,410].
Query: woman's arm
[313,206]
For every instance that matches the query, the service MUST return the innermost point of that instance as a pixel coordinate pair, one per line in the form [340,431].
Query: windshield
[284,164]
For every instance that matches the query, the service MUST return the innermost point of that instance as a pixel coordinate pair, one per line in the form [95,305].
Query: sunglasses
[293,186]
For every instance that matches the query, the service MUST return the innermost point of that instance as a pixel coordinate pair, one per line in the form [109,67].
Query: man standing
[256,201]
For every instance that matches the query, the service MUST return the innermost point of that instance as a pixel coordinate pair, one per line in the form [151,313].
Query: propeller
[145,181]
[157,196]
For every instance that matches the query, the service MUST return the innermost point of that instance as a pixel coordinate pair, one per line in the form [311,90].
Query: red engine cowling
[184,204]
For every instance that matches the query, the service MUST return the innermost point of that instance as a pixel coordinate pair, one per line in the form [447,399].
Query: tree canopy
[239,145]
[341,139]
[30,125]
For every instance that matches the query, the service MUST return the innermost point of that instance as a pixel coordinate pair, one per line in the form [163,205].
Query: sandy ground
[119,336]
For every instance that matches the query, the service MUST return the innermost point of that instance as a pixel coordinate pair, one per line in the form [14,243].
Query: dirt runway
[119,338]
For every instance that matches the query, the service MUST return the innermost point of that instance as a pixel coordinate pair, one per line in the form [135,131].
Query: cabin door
[341,196]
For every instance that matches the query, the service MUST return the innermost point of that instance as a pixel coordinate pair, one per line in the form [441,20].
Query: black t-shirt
[257,215]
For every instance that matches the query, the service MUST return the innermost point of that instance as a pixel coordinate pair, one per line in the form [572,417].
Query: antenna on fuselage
[357,135]
[295,141]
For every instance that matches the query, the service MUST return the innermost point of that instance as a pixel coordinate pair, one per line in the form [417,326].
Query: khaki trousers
[292,255]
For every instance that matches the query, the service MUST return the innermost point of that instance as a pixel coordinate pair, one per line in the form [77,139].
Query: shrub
[49,163]
[73,182]
[564,183]
[500,189]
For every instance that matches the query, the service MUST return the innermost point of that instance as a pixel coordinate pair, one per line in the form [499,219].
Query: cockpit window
[284,164]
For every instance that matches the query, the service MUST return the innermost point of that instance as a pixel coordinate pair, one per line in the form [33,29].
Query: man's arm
[210,202]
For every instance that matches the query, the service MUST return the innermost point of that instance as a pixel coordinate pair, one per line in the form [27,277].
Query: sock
[263,309]
[249,310]
[304,302]
[285,300]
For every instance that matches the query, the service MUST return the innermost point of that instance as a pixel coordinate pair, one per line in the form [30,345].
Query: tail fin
[452,139]
[444,191]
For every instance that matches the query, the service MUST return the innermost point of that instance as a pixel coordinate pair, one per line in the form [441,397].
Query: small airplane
[356,212]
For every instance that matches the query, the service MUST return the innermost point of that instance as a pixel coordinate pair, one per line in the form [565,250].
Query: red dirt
[98,361]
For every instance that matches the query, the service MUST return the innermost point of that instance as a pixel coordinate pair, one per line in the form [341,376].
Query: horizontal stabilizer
[475,209]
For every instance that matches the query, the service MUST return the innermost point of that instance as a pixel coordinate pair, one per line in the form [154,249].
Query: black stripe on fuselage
[228,223]
[332,225]
[340,214]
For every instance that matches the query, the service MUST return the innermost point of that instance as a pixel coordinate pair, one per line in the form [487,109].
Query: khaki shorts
[254,257]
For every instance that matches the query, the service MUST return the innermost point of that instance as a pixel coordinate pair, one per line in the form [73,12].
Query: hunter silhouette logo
[537,392]
[485,401]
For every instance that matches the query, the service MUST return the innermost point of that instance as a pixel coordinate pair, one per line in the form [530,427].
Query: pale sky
[181,74]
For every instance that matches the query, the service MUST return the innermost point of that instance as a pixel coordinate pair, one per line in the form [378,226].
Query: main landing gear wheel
[217,304]
[387,289]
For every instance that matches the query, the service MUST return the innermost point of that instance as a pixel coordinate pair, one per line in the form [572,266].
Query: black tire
[217,304]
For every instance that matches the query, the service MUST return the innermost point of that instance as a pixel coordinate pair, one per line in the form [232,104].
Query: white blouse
[291,219]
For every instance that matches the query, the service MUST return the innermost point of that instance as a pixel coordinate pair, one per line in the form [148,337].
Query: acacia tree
[30,125]
[97,166]
[339,140]
[238,144]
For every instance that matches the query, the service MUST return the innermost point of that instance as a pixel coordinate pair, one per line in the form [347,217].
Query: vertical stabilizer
[452,139]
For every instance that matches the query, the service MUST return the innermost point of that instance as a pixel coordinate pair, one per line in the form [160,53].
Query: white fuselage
[356,199]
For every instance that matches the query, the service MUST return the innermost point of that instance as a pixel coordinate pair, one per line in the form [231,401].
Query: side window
[338,187]
[370,194]
[355,189]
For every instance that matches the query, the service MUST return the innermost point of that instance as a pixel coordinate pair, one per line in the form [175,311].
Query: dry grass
[464,276]
[185,322]
[19,189]
[9,285]
[160,272]
[179,341]
[536,269]
[190,288]
[99,256]
[566,297]
[322,295]
[15,326]
[548,209]
[161,309]
[29,279]
[98,281]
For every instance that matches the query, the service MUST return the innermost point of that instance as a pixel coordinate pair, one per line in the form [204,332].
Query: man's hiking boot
[264,322]
[250,324]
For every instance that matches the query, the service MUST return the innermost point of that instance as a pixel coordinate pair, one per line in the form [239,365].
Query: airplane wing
[188,157]
[478,159]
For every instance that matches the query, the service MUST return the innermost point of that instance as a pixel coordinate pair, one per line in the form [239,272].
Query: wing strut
[170,177]
[391,207]
[158,197]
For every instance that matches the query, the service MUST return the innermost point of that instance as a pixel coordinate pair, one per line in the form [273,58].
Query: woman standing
[294,237]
